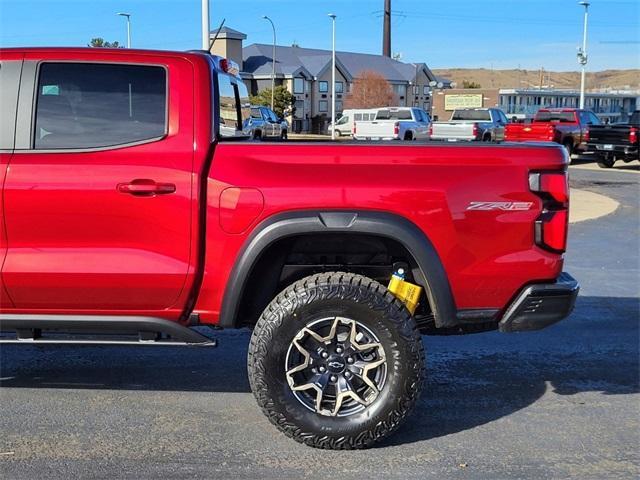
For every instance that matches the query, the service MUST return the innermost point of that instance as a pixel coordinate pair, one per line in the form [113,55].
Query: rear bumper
[625,150]
[541,305]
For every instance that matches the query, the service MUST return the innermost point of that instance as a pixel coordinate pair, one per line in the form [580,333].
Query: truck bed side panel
[489,255]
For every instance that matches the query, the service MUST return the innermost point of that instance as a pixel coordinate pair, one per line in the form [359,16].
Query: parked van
[344,126]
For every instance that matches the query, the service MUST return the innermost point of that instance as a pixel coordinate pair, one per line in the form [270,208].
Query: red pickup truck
[135,208]
[567,126]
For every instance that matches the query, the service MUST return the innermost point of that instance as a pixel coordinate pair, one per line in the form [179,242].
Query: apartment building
[306,72]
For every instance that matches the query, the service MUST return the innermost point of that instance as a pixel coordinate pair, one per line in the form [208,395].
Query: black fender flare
[382,224]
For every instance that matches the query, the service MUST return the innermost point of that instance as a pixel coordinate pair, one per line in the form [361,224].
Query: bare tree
[370,90]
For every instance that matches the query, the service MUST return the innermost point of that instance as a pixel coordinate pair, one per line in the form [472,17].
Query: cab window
[84,105]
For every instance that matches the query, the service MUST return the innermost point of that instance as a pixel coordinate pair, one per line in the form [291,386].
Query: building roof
[226,32]
[258,62]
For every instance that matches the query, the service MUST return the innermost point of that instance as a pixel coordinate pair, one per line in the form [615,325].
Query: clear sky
[444,33]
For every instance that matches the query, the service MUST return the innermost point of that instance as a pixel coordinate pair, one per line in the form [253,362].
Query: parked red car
[567,126]
[133,202]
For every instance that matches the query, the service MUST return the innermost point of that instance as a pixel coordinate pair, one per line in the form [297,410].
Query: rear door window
[84,105]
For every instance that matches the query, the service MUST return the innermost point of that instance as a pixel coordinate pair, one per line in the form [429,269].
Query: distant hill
[616,79]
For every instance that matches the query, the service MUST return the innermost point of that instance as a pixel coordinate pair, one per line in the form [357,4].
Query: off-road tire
[345,295]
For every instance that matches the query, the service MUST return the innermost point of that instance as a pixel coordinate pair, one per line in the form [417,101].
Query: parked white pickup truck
[485,124]
[395,123]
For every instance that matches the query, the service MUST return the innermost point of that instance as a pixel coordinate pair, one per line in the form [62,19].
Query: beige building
[445,101]
[306,73]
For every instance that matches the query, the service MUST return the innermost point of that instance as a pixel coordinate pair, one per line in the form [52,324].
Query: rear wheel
[606,162]
[408,136]
[568,146]
[486,137]
[336,361]
[337,133]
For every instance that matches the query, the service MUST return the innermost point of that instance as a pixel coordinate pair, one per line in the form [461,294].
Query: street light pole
[128,16]
[582,53]
[273,61]
[205,26]
[333,77]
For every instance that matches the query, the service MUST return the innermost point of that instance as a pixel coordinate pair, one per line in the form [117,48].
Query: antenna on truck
[215,37]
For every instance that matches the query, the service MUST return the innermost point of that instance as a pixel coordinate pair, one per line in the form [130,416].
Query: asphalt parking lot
[559,403]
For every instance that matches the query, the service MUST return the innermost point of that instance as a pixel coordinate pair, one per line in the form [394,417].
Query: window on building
[323,87]
[339,87]
[338,105]
[425,105]
[400,90]
[299,106]
[416,90]
[425,90]
[323,106]
[83,105]
[298,85]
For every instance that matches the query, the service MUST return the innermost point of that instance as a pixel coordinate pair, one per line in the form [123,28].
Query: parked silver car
[264,123]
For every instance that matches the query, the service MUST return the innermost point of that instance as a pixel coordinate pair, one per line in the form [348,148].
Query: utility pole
[582,52]
[386,34]
[333,77]
[205,25]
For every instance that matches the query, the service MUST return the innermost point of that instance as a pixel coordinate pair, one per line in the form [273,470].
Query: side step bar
[105,330]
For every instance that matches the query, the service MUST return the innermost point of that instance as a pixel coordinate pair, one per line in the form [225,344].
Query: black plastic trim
[474,315]
[540,305]
[382,224]
[102,324]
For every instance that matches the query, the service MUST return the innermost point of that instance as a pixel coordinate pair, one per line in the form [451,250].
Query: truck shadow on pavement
[472,380]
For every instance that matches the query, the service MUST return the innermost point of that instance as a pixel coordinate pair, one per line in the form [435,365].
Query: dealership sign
[451,102]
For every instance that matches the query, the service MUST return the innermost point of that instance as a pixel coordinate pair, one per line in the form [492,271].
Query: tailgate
[609,135]
[533,132]
[375,129]
[452,131]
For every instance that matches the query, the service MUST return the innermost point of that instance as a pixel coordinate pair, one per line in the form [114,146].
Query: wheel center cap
[336,364]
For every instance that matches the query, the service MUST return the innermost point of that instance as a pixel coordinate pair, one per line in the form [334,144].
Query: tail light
[475,130]
[586,135]
[506,133]
[354,131]
[396,128]
[430,129]
[633,135]
[551,133]
[551,226]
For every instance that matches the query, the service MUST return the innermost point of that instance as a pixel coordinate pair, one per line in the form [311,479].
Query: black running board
[94,329]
